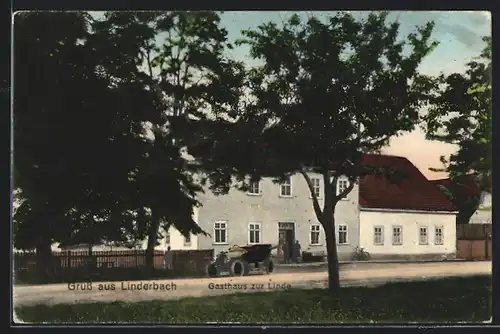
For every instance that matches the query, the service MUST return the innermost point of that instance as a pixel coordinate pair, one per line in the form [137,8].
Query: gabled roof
[466,188]
[414,192]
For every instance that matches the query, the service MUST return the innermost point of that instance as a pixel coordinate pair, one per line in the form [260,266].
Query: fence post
[485,232]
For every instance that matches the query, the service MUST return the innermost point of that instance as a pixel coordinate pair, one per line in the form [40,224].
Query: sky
[459,35]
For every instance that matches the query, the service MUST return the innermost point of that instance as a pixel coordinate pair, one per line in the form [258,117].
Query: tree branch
[375,142]
[345,192]
[317,209]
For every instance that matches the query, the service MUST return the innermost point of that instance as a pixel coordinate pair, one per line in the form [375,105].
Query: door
[286,237]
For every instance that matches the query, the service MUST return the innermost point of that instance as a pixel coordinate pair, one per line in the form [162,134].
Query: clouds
[479,17]
[466,27]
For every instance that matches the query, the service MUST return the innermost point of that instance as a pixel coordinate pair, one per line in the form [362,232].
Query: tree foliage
[177,58]
[327,93]
[460,114]
[55,108]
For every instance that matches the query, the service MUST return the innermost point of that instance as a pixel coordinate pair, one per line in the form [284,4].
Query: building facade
[272,212]
[406,219]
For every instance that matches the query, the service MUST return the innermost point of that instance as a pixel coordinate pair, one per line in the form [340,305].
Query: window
[316,187]
[315,231]
[187,239]
[378,235]
[167,238]
[397,235]
[286,188]
[423,237]
[342,185]
[342,239]
[220,233]
[254,233]
[438,235]
[254,188]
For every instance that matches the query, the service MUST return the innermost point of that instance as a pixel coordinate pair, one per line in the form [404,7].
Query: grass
[445,300]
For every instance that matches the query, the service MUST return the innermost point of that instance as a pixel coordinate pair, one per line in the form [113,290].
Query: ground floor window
[342,236]
[254,233]
[438,235]
[423,238]
[187,240]
[378,235]
[220,233]
[397,235]
[315,232]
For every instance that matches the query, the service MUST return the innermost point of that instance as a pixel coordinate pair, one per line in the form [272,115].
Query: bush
[446,300]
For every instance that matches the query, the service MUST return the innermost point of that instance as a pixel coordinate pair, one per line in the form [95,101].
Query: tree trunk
[152,233]
[327,219]
[333,260]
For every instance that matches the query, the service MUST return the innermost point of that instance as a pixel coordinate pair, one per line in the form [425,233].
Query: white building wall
[485,200]
[177,241]
[411,223]
[238,209]
[481,217]
[483,214]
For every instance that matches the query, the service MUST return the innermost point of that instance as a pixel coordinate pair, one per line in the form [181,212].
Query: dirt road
[178,288]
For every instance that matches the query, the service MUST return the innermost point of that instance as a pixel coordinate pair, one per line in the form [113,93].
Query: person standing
[168,259]
[286,252]
[296,253]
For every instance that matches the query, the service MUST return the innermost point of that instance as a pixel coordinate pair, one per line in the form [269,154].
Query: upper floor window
[342,185]
[286,187]
[316,186]
[254,188]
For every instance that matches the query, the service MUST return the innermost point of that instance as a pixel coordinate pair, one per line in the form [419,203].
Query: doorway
[286,240]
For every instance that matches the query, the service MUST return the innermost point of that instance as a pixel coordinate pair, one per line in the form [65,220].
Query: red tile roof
[466,188]
[414,192]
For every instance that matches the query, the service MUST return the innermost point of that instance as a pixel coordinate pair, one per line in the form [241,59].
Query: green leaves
[82,148]
[335,87]
[461,114]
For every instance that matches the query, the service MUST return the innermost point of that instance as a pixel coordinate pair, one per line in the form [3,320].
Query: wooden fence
[474,241]
[181,259]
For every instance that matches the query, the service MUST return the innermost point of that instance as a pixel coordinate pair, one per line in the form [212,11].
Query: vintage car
[242,260]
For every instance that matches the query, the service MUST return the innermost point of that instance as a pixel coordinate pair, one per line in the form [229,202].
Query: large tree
[41,88]
[460,114]
[328,92]
[178,57]
[71,139]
